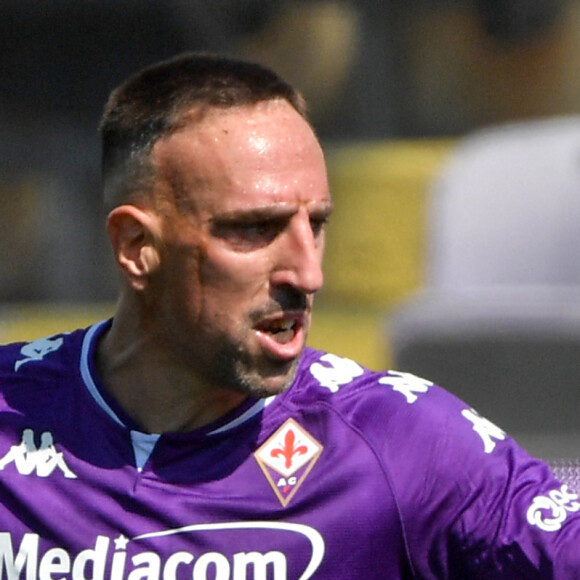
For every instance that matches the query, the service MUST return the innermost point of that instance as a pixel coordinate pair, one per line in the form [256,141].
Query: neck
[151,385]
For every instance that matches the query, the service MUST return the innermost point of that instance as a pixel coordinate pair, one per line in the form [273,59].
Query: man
[194,435]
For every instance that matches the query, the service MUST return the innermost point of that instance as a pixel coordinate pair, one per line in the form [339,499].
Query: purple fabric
[371,476]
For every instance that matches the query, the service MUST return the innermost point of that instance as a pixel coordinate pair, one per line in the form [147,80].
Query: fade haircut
[156,101]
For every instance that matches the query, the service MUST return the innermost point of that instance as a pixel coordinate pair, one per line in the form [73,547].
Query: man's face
[242,246]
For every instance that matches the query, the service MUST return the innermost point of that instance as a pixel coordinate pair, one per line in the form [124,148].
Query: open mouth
[282,330]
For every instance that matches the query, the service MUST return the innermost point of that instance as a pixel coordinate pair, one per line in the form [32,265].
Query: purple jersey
[349,474]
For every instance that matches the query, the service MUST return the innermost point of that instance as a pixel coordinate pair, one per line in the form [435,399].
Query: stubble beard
[234,369]
[229,365]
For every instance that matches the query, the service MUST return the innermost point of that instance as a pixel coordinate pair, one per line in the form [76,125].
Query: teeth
[280,325]
[280,329]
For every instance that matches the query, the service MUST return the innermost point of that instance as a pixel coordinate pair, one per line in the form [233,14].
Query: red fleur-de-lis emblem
[287,457]
[289,451]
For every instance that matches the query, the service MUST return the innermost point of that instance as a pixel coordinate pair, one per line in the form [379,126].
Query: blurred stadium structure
[392,85]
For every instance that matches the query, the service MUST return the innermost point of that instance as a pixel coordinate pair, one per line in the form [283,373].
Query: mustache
[284,299]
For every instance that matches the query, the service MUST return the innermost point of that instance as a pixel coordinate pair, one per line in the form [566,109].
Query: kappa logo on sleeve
[286,458]
[29,458]
[407,384]
[488,432]
[37,350]
[336,372]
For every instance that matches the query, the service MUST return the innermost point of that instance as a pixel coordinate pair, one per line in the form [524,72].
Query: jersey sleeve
[472,503]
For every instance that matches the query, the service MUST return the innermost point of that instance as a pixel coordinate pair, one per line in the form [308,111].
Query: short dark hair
[154,102]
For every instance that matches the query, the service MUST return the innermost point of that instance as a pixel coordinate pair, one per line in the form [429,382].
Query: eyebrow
[275,212]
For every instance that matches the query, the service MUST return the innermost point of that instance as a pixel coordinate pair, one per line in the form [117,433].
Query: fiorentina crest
[286,458]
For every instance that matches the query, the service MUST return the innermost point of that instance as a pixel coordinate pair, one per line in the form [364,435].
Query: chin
[262,384]
[233,368]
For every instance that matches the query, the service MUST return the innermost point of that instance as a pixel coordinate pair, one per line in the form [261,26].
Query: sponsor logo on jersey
[286,458]
[548,512]
[122,558]
[42,460]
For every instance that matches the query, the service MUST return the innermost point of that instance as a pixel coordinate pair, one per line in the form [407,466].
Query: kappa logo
[485,429]
[286,459]
[37,350]
[43,460]
[406,384]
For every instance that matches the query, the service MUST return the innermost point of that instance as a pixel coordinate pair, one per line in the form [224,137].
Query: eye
[249,235]
[318,223]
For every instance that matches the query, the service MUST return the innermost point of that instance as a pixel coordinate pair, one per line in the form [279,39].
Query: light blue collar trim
[143,443]
[246,416]
[86,373]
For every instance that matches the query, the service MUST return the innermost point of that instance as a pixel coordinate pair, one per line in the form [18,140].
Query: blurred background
[400,93]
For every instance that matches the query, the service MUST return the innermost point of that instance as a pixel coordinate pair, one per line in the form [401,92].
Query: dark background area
[371,70]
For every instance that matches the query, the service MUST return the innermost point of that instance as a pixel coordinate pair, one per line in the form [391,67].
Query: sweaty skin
[223,269]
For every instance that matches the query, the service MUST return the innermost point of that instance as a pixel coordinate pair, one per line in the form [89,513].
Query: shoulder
[15,357]
[381,403]
[460,483]
[422,434]
[41,362]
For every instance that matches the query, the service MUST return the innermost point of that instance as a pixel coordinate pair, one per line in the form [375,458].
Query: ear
[134,235]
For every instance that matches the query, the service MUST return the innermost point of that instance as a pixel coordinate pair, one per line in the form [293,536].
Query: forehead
[252,156]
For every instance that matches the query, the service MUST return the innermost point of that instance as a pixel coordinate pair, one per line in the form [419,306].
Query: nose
[300,255]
